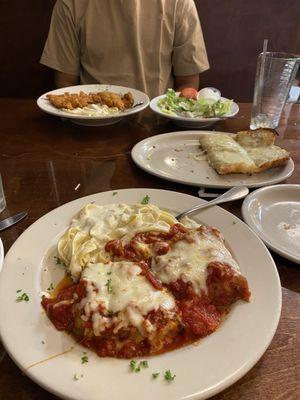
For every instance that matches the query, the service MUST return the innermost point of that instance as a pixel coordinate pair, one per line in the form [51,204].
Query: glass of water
[275,74]
[2,197]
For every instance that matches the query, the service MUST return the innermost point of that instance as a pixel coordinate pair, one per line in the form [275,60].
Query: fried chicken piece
[128,100]
[109,99]
[70,101]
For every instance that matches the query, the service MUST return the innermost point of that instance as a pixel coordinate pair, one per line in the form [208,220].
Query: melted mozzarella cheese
[189,261]
[120,288]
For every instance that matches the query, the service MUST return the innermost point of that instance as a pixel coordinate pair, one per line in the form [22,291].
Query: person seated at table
[148,45]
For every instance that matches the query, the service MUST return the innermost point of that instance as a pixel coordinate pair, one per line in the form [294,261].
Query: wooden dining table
[46,162]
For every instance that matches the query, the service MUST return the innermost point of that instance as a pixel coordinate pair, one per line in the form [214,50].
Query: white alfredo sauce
[189,261]
[120,287]
[95,225]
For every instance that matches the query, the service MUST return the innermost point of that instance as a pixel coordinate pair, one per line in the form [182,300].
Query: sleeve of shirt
[62,50]
[189,53]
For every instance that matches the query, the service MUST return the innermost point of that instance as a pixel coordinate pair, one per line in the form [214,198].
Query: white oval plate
[1,254]
[274,215]
[201,370]
[188,122]
[170,156]
[138,96]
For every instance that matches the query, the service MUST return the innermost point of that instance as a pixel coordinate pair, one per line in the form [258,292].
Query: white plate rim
[135,157]
[229,380]
[1,254]
[246,216]
[154,107]
[41,102]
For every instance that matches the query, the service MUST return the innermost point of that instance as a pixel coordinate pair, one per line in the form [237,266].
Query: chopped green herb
[108,285]
[145,200]
[51,287]
[84,358]
[18,291]
[234,222]
[168,376]
[134,367]
[57,259]
[114,193]
[155,375]
[144,364]
[109,273]
[23,297]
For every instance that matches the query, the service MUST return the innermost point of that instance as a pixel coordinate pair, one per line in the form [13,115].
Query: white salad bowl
[192,122]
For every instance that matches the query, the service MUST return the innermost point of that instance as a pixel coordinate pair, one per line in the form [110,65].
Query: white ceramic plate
[171,156]
[274,214]
[138,96]
[1,254]
[194,123]
[201,371]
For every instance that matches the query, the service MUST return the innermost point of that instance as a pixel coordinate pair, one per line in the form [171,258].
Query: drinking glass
[2,197]
[275,74]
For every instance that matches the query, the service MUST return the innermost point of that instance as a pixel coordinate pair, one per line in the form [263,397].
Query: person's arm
[189,56]
[62,48]
[61,79]
[189,81]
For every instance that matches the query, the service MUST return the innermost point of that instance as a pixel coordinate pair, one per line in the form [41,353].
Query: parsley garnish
[51,287]
[144,364]
[19,290]
[134,367]
[114,193]
[234,222]
[109,273]
[84,358]
[145,200]
[108,285]
[23,297]
[57,259]
[168,376]
[155,375]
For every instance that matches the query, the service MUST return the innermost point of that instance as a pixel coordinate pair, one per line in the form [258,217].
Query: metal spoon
[234,193]
[7,222]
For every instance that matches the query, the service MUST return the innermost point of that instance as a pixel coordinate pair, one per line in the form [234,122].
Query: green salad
[172,104]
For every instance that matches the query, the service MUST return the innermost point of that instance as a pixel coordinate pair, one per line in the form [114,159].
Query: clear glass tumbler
[2,196]
[275,74]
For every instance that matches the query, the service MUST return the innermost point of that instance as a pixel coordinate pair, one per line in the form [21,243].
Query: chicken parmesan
[142,283]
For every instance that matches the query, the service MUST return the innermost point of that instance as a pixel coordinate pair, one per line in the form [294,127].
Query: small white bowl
[192,122]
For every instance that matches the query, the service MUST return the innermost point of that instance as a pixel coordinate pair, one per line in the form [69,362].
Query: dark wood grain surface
[42,161]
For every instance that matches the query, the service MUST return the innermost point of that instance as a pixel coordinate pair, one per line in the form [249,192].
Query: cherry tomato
[189,93]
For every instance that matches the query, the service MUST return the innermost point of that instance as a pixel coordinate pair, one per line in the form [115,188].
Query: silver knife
[7,222]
